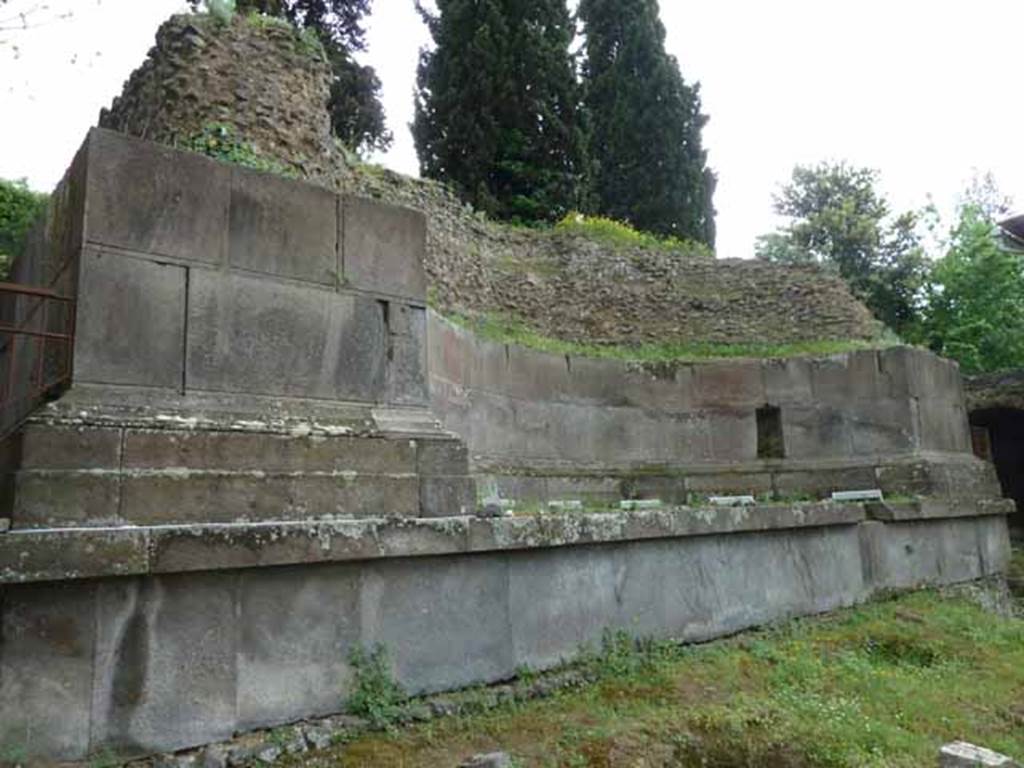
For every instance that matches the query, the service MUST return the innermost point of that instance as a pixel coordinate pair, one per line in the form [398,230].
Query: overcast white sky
[926,91]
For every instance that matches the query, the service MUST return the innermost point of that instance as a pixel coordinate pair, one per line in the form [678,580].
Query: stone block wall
[201,277]
[181,651]
[246,347]
[544,426]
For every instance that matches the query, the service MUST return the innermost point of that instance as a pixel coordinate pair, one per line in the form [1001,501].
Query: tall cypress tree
[498,106]
[649,165]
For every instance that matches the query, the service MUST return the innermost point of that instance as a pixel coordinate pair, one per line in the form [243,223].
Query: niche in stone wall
[770,444]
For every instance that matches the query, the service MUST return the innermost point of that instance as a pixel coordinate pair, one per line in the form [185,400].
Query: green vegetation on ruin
[222,142]
[505,329]
[620,235]
[880,685]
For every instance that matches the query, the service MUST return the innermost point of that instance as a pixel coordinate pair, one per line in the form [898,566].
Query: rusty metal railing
[37,331]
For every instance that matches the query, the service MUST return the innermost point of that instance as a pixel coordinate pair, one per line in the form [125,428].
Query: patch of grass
[883,685]
[619,234]
[1016,571]
[505,329]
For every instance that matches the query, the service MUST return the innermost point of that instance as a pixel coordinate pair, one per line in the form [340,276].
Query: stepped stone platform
[265,454]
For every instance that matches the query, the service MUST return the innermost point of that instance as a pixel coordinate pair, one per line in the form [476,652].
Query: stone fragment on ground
[489,760]
[960,754]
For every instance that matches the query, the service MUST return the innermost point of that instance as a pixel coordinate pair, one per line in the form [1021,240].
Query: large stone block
[733,435]
[297,628]
[46,662]
[149,198]
[824,481]
[59,498]
[156,498]
[256,336]
[728,383]
[787,381]
[752,483]
[444,621]
[447,496]
[581,588]
[130,328]
[284,228]
[815,432]
[267,452]
[838,379]
[943,425]
[383,248]
[407,355]
[44,446]
[165,669]
[881,426]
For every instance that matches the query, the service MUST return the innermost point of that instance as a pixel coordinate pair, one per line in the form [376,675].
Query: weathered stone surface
[297,626]
[58,498]
[754,483]
[283,228]
[43,446]
[165,664]
[904,555]
[447,496]
[131,327]
[442,457]
[151,199]
[735,382]
[187,497]
[464,595]
[260,451]
[46,662]
[251,335]
[70,554]
[407,355]
[383,248]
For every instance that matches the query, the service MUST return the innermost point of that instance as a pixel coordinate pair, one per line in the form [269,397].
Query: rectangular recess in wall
[770,444]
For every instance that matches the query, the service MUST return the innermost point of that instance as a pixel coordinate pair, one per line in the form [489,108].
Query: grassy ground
[881,685]
[507,330]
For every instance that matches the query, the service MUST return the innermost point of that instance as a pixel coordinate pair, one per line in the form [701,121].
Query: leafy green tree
[357,116]
[649,164]
[838,218]
[498,108]
[974,311]
[19,208]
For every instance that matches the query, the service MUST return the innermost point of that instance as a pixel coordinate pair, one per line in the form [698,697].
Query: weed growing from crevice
[376,695]
[221,142]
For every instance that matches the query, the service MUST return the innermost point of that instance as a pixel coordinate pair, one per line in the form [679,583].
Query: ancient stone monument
[249,447]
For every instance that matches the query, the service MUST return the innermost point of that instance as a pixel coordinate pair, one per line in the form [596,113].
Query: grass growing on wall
[504,329]
[619,234]
[881,685]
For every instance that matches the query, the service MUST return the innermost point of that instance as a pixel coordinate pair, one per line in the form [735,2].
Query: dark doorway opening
[770,444]
[1005,443]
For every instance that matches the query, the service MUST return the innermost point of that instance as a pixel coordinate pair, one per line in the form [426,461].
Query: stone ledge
[77,553]
[937,509]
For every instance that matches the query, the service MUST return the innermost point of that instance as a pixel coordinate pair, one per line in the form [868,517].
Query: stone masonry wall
[541,427]
[563,286]
[263,78]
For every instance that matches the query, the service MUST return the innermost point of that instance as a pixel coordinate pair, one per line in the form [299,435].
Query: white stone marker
[960,754]
[872,494]
[640,504]
[732,501]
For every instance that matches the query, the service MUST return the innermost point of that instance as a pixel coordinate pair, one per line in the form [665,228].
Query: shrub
[19,208]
